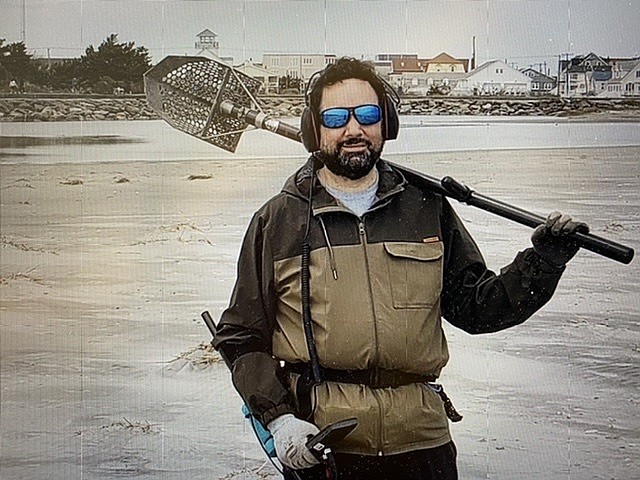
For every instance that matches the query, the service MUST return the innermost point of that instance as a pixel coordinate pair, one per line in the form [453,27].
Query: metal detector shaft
[260,120]
[450,188]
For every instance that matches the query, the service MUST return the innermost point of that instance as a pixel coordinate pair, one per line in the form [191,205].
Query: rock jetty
[74,109]
[25,109]
[543,106]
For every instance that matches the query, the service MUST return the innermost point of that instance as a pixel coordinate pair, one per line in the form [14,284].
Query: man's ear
[309,130]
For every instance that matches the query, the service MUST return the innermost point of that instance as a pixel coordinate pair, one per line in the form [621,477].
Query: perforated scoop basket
[187,92]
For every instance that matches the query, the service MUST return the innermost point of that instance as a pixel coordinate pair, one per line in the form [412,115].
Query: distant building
[625,80]
[620,67]
[631,81]
[208,42]
[583,75]
[541,84]
[494,78]
[388,57]
[594,75]
[295,65]
[383,62]
[207,45]
[445,63]
[269,79]
[410,74]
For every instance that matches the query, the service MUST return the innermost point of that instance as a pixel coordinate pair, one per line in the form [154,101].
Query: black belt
[372,377]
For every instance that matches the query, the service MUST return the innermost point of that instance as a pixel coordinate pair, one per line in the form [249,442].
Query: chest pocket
[415,273]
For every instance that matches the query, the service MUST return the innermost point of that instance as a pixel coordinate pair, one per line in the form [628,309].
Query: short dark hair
[343,69]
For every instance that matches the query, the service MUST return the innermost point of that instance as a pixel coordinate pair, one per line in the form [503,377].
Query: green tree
[124,63]
[65,76]
[15,62]
[4,77]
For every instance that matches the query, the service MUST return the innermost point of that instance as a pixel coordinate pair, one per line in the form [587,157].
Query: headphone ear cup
[391,120]
[309,131]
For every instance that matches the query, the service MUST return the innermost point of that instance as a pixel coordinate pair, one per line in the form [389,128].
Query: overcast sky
[522,31]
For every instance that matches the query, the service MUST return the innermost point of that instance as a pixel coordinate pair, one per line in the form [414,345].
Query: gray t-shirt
[357,202]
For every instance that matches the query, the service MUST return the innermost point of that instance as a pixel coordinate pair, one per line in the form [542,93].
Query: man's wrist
[278,421]
[547,264]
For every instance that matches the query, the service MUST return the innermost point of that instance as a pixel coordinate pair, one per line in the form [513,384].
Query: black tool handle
[208,320]
[588,241]
[456,190]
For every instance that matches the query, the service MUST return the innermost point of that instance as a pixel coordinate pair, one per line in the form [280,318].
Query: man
[387,259]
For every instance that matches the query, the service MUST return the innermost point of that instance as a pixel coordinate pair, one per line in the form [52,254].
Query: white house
[493,78]
[627,85]
[631,82]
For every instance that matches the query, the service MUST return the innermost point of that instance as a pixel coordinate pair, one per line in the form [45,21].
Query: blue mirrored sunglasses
[338,117]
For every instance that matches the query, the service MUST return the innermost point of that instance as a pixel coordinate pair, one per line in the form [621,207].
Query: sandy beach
[105,268]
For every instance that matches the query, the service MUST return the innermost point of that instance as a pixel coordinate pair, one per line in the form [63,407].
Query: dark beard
[350,165]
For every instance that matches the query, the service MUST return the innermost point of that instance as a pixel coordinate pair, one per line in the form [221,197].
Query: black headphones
[310,121]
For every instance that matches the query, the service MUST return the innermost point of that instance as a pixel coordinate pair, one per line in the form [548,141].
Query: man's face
[353,150]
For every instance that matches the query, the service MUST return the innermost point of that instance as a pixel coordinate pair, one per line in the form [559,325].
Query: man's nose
[353,127]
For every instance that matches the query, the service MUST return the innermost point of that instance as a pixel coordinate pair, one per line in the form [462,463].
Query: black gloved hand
[551,240]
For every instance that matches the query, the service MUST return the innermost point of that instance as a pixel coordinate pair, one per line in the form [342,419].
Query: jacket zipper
[363,241]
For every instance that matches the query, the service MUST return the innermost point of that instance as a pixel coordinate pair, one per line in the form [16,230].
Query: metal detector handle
[208,320]
[588,241]
[320,444]
[450,187]
[211,325]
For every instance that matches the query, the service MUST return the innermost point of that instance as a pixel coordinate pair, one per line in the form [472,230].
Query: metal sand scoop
[215,103]
[208,99]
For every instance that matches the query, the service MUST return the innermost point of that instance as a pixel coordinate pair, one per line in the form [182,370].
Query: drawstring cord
[332,258]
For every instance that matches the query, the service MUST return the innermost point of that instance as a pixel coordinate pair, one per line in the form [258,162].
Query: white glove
[290,434]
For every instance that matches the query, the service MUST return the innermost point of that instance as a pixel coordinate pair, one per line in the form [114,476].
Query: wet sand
[106,267]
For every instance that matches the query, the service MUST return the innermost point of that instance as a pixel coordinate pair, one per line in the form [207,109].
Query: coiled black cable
[306,314]
[305,292]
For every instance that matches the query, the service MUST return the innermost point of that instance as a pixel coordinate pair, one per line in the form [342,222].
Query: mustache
[355,141]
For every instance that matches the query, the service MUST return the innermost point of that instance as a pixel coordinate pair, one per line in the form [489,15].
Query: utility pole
[558,77]
[567,75]
[473,57]
[24,22]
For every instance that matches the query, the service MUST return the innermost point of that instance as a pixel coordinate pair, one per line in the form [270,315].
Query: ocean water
[94,141]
